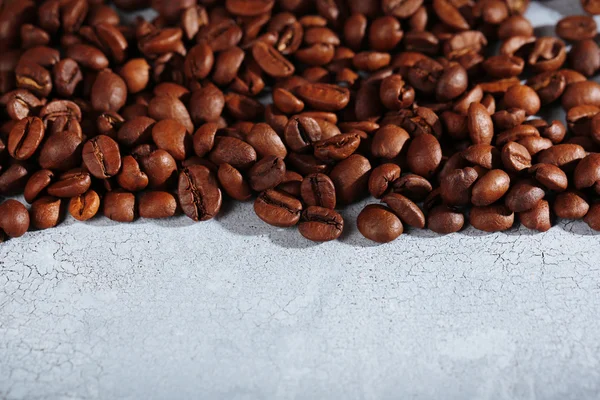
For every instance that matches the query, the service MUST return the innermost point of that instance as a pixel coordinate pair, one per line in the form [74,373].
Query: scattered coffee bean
[84,206]
[320,224]
[379,224]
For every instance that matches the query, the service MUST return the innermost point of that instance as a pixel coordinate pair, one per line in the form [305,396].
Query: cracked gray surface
[233,308]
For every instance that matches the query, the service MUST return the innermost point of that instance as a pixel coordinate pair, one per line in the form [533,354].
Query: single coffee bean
[85,206]
[550,176]
[480,125]
[350,178]
[156,205]
[452,83]
[379,224]
[424,155]
[493,218]
[199,61]
[159,166]
[556,131]
[233,183]
[324,97]
[381,179]
[444,220]
[395,94]
[579,93]
[204,138]
[109,92]
[592,218]
[389,141]
[576,27]
[232,151]
[119,206]
[266,141]
[102,157]
[168,107]
[301,132]
[71,184]
[516,134]
[33,77]
[413,186]
[13,179]
[45,212]
[524,195]
[37,184]
[271,61]
[320,224]
[199,194]
[591,6]
[455,188]
[515,157]
[538,218]
[131,178]
[136,74]
[66,77]
[14,218]
[584,57]
[570,205]
[318,190]
[408,212]
[337,148]
[564,156]
[286,102]
[25,138]
[171,136]
[524,97]
[277,208]
[490,188]
[450,15]
[266,173]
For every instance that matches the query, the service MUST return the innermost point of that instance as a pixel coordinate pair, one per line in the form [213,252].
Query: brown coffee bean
[535,144]
[156,205]
[480,125]
[565,156]
[379,224]
[576,27]
[243,107]
[277,208]
[204,138]
[408,212]
[548,85]
[395,94]
[101,156]
[524,195]
[551,176]
[109,92]
[515,157]
[320,224]
[171,136]
[385,33]
[318,190]
[524,97]
[483,155]
[494,218]
[515,25]
[71,184]
[14,218]
[199,61]
[538,218]
[232,151]
[584,57]
[579,93]
[324,97]
[135,74]
[592,218]
[413,186]
[301,132]
[444,220]
[271,61]
[233,183]
[85,206]
[570,205]
[266,141]
[351,178]
[267,173]
[381,179]
[199,195]
[119,206]
[449,14]
[37,184]
[455,187]
[286,102]
[587,172]
[490,188]
[424,155]
[516,134]
[136,131]
[591,6]
[159,166]
[508,119]
[45,212]
[13,179]
[452,83]
[337,148]
[168,107]
[25,138]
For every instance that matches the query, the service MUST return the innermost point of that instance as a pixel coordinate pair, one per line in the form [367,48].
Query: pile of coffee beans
[301,106]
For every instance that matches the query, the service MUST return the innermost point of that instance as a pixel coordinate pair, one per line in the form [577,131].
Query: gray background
[233,308]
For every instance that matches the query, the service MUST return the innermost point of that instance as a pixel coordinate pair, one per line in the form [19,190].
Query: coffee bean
[450,15]
[101,156]
[379,224]
[168,107]
[199,194]
[493,218]
[576,27]
[232,151]
[490,188]
[337,148]
[266,141]
[551,176]
[233,183]
[156,205]
[14,218]
[408,212]
[45,212]
[455,188]
[85,206]
[324,97]
[565,156]
[515,157]
[271,61]
[171,136]
[70,184]
[480,125]
[395,94]
[25,138]
[266,173]
[524,97]
[87,56]
[318,190]
[135,74]
[389,141]
[538,218]
[66,77]
[381,179]
[320,224]
[524,195]
[119,206]
[199,61]
[413,186]
[424,155]
[570,205]
[578,93]
[286,102]
[350,178]
[13,179]
[592,218]
[160,167]
[301,132]
[37,184]
[277,208]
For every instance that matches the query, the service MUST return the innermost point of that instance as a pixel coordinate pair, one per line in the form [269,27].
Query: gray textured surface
[235,309]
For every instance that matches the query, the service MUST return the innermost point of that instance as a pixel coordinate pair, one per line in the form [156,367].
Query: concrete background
[236,309]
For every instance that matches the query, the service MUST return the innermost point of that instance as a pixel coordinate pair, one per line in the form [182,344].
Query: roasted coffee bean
[324,97]
[524,97]
[13,179]
[480,125]
[576,27]
[550,176]
[424,155]
[587,172]
[204,138]
[515,157]
[277,208]
[199,195]
[271,61]
[490,188]
[444,220]
[379,224]
[102,157]
[232,151]
[584,57]
[160,167]
[14,218]
[301,132]
[565,156]
[580,93]
[570,205]
[538,218]
[524,195]
[233,183]
[171,136]
[494,218]
[318,190]
[408,212]
[455,187]
[70,184]
[592,218]
[413,186]
[119,206]
[136,74]
[286,102]
[136,131]
[85,206]
[395,94]
[37,184]
[199,61]
[381,179]
[320,224]
[337,148]
[351,178]
[266,173]
[109,92]
[156,205]
[45,212]
[168,107]
[389,141]
[25,137]
[266,141]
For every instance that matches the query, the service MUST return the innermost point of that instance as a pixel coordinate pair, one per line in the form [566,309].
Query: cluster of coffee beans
[404,100]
